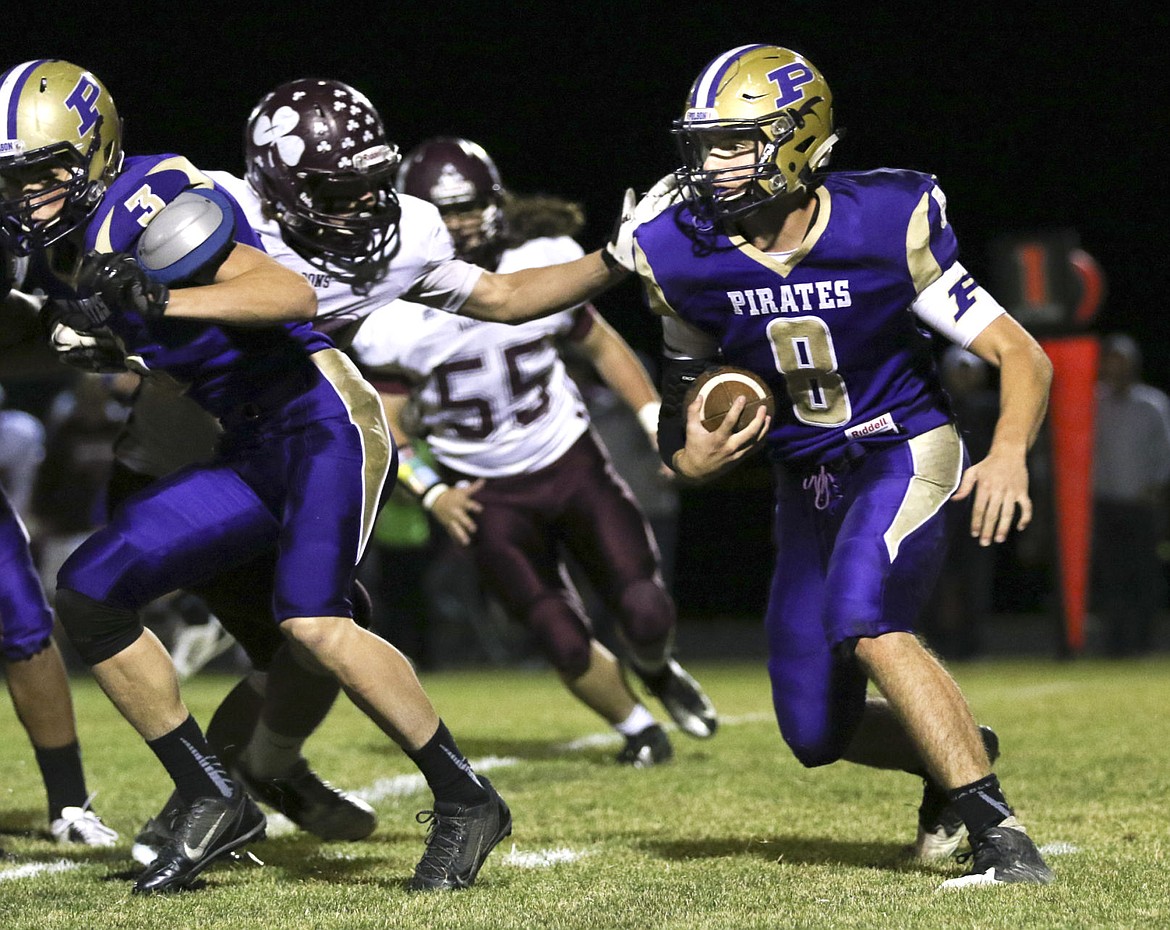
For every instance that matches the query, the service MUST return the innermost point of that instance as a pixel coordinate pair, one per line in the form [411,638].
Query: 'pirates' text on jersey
[835,327]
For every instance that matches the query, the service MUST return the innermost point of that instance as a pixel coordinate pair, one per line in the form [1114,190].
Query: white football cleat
[82,826]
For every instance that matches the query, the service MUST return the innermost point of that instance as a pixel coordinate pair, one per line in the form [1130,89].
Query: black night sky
[1033,116]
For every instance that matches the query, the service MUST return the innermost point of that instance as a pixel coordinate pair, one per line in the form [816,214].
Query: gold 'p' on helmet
[60,140]
[769,100]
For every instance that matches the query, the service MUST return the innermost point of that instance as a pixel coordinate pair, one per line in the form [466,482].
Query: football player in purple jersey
[301,143]
[160,259]
[34,671]
[827,285]
[525,478]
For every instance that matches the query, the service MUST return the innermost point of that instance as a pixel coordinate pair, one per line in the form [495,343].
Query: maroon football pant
[579,506]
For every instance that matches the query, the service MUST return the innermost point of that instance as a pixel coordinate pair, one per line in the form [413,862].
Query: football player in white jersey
[318,191]
[526,480]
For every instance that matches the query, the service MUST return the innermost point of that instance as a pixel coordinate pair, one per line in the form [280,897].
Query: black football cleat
[311,803]
[683,699]
[158,831]
[649,747]
[459,840]
[940,829]
[1003,855]
[204,831]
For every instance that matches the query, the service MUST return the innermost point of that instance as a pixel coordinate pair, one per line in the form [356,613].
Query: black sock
[63,776]
[981,804]
[446,770]
[196,771]
[234,720]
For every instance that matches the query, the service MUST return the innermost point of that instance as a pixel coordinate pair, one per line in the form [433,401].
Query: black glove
[103,356]
[122,284]
[83,314]
[97,350]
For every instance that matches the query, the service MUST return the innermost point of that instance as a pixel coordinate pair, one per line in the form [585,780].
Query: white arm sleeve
[446,286]
[956,306]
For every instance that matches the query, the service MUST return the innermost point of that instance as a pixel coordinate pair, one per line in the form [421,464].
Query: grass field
[732,834]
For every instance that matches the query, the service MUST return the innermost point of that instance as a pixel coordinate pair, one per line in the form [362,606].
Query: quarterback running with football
[153,255]
[824,284]
[524,476]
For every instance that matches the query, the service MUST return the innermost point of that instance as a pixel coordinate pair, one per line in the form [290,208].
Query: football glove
[620,248]
[98,351]
[122,284]
[84,314]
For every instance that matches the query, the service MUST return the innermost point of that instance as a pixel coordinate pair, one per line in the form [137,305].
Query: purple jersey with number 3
[303,456]
[220,366]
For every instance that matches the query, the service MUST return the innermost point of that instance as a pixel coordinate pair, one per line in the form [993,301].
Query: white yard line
[32,869]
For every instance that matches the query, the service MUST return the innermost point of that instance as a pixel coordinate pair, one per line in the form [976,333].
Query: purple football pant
[579,505]
[305,477]
[858,551]
[26,623]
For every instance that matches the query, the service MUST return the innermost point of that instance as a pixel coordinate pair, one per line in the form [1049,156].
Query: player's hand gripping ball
[719,387]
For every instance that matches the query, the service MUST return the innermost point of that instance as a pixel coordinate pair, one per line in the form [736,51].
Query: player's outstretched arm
[250,289]
[1000,481]
[535,292]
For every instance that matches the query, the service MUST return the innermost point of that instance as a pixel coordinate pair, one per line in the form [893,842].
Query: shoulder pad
[189,238]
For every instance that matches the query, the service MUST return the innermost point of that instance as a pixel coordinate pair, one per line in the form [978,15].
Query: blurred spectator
[963,594]
[1131,470]
[68,500]
[22,448]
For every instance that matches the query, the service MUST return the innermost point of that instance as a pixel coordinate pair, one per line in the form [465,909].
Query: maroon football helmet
[460,178]
[318,156]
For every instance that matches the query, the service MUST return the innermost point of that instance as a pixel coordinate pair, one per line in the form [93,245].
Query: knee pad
[648,615]
[97,631]
[562,635]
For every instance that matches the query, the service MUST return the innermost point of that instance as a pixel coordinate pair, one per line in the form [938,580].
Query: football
[719,387]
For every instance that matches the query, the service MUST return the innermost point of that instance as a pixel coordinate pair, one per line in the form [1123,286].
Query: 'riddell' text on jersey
[837,327]
[793,298]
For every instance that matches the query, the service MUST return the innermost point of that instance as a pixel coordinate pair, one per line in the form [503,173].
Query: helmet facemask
[345,223]
[476,238]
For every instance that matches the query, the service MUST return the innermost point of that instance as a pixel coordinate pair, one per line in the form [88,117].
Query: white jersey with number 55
[494,399]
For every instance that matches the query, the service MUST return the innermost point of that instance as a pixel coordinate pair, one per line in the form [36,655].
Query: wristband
[432,495]
[414,474]
[648,417]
